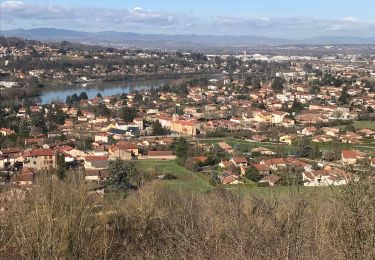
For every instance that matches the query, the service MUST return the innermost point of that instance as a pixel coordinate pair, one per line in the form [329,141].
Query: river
[59,94]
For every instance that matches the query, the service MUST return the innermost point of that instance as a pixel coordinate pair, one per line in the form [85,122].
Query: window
[34,162]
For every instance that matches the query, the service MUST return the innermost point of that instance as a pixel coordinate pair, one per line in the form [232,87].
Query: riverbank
[137,77]
[58,91]
[110,88]
[14,95]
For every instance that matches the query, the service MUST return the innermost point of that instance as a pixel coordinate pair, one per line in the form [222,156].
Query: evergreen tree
[252,174]
[157,129]
[344,98]
[127,114]
[83,96]
[278,85]
[182,148]
[61,167]
[69,100]
[74,98]
[120,173]
[296,106]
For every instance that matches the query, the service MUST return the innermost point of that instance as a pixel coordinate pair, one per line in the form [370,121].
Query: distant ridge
[129,39]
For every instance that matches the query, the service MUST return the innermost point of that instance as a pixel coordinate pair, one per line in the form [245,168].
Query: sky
[294,19]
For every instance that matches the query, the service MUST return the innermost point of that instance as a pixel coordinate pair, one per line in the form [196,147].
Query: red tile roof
[270,179]
[126,145]
[226,164]
[26,170]
[285,161]
[160,153]
[39,152]
[95,158]
[348,154]
[239,159]
[229,179]
[200,158]
[261,167]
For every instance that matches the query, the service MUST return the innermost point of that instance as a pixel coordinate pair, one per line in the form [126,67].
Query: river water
[59,94]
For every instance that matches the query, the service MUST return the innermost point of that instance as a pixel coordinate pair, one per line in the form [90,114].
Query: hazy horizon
[289,19]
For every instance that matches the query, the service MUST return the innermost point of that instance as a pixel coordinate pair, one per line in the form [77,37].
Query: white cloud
[22,14]
[351,19]
[12,4]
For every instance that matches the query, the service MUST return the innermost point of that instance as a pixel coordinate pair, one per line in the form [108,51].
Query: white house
[331,177]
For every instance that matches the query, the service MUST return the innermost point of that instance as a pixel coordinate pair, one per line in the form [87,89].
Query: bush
[61,220]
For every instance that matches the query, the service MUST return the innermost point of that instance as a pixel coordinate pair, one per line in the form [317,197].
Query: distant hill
[129,39]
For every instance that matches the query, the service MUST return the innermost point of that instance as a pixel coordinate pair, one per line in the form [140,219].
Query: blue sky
[271,18]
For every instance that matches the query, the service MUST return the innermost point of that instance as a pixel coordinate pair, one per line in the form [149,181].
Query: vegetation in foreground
[63,220]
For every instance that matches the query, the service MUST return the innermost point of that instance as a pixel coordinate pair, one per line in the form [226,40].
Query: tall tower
[244,55]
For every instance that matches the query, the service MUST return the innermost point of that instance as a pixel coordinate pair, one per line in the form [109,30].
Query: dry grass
[59,221]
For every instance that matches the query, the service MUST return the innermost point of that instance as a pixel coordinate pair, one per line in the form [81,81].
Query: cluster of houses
[112,138]
[95,65]
[307,106]
[24,164]
[271,169]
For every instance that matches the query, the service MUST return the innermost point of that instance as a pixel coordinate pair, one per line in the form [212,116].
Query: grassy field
[197,182]
[360,125]
[364,124]
[186,180]
[276,147]
[366,145]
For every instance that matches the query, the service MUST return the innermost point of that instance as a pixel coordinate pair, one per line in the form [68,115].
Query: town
[187,129]
[246,119]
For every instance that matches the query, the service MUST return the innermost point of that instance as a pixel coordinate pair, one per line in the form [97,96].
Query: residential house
[333,132]
[6,132]
[25,177]
[308,131]
[270,180]
[263,169]
[351,138]
[280,163]
[40,159]
[329,177]
[262,151]
[123,151]
[288,139]
[138,122]
[9,157]
[350,157]
[96,162]
[103,137]
[262,116]
[161,155]
[239,161]
[200,159]
[367,132]
[96,175]
[322,139]
[259,138]
[183,127]
[278,117]
[226,147]
[227,178]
